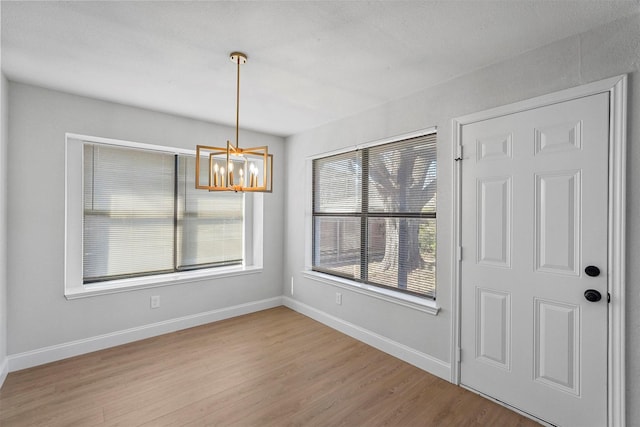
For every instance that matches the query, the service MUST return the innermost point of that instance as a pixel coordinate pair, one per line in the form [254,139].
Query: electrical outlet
[338,298]
[291,285]
[155,301]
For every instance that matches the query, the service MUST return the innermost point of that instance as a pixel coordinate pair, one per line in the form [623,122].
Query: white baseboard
[53,353]
[416,358]
[4,370]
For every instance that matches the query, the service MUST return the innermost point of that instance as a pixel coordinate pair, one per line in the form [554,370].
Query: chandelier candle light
[253,167]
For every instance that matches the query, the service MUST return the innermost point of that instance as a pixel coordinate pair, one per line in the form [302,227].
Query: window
[374,215]
[142,216]
[134,219]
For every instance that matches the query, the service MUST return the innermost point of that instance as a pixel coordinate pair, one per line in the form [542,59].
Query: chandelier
[232,168]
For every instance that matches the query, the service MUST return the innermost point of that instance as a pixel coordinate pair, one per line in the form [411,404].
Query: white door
[534,217]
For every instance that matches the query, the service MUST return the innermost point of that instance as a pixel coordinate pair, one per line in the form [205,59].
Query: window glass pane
[338,183]
[401,254]
[337,245]
[209,224]
[402,176]
[128,212]
[396,201]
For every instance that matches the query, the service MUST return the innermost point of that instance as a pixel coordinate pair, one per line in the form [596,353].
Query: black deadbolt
[592,271]
[592,295]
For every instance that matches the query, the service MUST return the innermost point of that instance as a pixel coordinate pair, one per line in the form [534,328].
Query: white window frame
[73,272]
[396,297]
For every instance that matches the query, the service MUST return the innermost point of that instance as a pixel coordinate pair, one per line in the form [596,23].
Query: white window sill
[136,283]
[400,298]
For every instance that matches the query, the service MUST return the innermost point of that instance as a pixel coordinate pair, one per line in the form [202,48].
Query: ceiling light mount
[238,58]
[253,167]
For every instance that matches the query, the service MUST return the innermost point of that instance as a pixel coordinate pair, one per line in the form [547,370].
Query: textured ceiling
[309,62]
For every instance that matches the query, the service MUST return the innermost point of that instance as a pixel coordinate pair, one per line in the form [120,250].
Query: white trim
[456,256]
[408,135]
[616,250]
[540,101]
[53,353]
[617,89]
[130,144]
[399,298]
[308,215]
[4,370]
[158,280]
[414,357]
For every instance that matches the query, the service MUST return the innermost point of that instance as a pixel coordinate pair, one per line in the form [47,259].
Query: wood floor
[272,368]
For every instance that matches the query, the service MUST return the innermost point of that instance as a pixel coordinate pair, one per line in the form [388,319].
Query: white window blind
[374,215]
[143,216]
[209,225]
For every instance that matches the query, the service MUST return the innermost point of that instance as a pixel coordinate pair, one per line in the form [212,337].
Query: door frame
[617,89]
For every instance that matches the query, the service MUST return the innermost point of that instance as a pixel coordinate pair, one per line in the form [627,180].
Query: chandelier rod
[238,59]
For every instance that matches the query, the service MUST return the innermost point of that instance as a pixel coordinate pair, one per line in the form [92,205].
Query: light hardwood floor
[272,368]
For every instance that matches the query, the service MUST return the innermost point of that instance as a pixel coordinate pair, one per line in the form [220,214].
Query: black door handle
[592,295]
[592,271]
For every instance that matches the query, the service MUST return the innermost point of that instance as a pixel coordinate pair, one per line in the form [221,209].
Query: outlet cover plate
[155,301]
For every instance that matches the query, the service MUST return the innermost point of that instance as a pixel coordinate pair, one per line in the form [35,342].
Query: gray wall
[38,314]
[4,132]
[604,52]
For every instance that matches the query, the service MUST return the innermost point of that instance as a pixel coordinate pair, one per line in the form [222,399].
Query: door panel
[557,233]
[557,350]
[496,147]
[534,215]
[560,137]
[494,213]
[493,325]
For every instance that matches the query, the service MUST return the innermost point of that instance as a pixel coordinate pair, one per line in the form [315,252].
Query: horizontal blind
[128,212]
[381,229]
[338,183]
[337,245]
[402,176]
[209,224]
[401,230]
[338,194]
